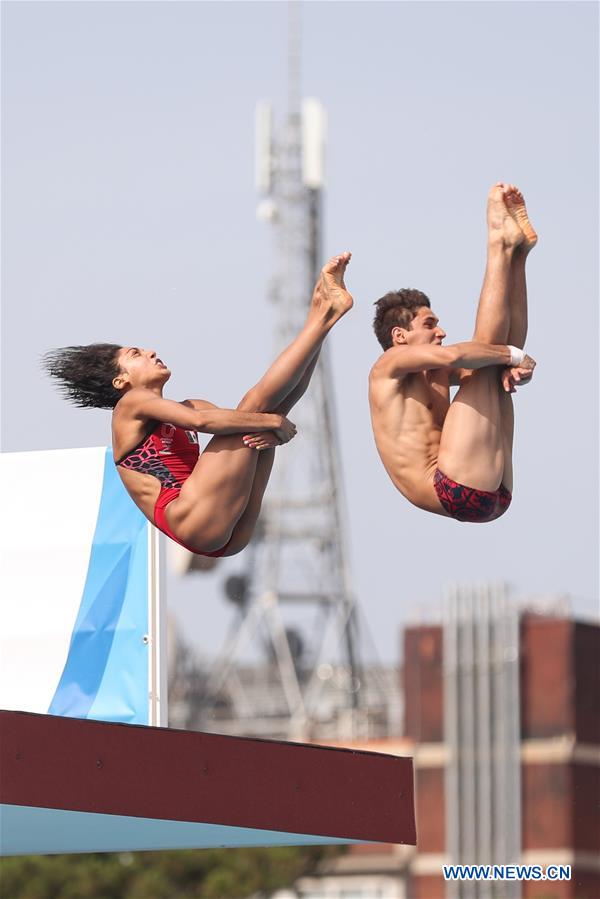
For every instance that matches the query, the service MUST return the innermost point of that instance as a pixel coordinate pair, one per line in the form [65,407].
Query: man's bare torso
[407,414]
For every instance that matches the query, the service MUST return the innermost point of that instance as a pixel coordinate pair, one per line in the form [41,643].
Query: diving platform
[80,785]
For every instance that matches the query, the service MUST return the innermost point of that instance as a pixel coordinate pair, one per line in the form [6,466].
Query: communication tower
[294,600]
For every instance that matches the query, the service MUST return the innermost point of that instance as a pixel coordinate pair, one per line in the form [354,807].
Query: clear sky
[128,212]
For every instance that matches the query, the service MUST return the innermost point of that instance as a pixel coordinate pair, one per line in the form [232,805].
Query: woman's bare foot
[262,441]
[330,297]
[515,203]
[501,224]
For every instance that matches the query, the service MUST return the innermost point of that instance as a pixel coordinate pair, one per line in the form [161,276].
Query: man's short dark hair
[396,310]
[85,373]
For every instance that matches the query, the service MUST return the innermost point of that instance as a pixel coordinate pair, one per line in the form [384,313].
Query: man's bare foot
[330,297]
[501,224]
[515,203]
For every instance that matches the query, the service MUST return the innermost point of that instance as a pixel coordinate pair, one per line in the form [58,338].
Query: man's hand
[519,375]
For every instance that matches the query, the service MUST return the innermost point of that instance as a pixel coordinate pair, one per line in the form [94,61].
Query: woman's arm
[199,404]
[204,417]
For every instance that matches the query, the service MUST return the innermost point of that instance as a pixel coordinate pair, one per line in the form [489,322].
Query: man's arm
[511,377]
[404,360]
[208,419]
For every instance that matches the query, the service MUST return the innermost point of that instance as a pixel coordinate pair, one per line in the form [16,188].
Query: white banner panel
[78,590]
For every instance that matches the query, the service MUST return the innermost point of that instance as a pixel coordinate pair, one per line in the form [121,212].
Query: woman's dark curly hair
[85,373]
[396,310]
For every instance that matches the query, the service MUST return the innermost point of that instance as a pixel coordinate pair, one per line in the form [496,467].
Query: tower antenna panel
[263,147]
[314,127]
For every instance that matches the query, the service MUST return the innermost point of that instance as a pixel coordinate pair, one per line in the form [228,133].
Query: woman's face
[140,368]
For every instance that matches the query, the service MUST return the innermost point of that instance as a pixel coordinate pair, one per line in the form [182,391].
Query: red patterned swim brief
[468,503]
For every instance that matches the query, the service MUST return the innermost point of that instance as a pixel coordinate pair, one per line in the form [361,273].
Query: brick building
[540,804]
[559,725]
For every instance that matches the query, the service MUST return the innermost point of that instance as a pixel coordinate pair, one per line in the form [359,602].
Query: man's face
[425,329]
[141,368]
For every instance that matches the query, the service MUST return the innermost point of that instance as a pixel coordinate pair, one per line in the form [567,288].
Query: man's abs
[407,430]
[411,466]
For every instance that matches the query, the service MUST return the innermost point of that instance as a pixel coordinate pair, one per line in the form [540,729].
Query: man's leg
[517,335]
[472,447]
[217,493]
[517,290]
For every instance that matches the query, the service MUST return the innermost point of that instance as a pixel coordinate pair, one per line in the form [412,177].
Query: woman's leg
[244,529]
[330,301]
[217,493]
[473,443]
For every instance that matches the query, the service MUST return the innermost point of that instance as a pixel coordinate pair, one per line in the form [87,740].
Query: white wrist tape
[516,355]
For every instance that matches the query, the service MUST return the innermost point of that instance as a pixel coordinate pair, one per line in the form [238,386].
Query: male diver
[455,458]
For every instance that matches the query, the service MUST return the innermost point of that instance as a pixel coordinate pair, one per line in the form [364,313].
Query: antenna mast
[295,600]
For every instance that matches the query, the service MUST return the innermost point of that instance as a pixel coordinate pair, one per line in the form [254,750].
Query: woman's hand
[268,439]
[286,430]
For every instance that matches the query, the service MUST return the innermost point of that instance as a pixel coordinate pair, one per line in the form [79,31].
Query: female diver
[207,502]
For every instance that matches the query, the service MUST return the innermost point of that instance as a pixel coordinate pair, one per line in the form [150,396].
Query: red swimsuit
[469,504]
[168,453]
